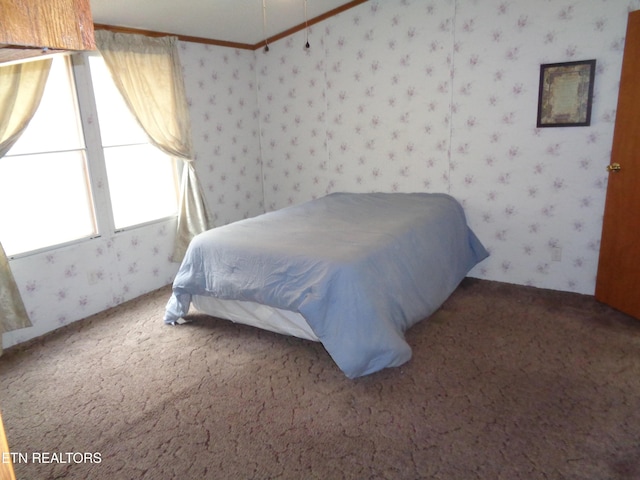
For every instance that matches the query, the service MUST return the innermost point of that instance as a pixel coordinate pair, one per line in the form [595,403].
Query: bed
[351,270]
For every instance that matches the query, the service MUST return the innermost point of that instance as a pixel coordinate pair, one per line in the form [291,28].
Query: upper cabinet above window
[31,28]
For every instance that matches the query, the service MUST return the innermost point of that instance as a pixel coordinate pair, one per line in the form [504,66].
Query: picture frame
[566,94]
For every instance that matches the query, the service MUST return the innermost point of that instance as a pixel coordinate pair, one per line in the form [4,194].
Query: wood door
[618,280]
[6,466]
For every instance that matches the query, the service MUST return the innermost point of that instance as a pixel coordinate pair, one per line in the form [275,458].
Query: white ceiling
[238,21]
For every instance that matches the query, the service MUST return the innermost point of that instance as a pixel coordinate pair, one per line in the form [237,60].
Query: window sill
[59,246]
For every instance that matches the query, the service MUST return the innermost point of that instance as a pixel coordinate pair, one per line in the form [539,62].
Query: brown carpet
[506,382]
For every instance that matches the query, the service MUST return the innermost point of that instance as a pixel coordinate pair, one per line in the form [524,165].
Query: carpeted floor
[506,382]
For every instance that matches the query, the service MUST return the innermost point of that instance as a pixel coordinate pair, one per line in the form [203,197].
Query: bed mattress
[257,315]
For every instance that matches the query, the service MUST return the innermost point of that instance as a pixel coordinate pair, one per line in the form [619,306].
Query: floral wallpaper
[221,91]
[393,95]
[69,283]
[442,96]
[529,191]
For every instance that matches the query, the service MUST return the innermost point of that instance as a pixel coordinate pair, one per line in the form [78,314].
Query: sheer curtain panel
[148,74]
[21,88]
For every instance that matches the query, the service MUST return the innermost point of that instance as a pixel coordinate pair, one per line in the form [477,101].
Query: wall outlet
[556,254]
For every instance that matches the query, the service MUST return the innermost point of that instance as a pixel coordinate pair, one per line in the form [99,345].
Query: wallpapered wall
[221,91]
[442,96]
[393,95]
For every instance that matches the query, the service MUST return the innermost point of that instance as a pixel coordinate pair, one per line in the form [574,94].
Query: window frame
[97,170]
[99,194]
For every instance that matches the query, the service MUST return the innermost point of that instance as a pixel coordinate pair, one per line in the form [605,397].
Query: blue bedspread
[360,268]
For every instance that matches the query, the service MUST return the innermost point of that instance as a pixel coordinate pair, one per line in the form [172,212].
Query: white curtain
[21,88]
[147,72]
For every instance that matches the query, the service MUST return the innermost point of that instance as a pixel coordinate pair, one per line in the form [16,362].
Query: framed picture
[566,93]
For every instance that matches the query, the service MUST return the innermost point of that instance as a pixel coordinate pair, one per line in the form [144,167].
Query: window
[46,193]
[140,175]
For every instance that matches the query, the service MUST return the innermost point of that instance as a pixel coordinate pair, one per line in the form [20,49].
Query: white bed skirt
[257,315]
